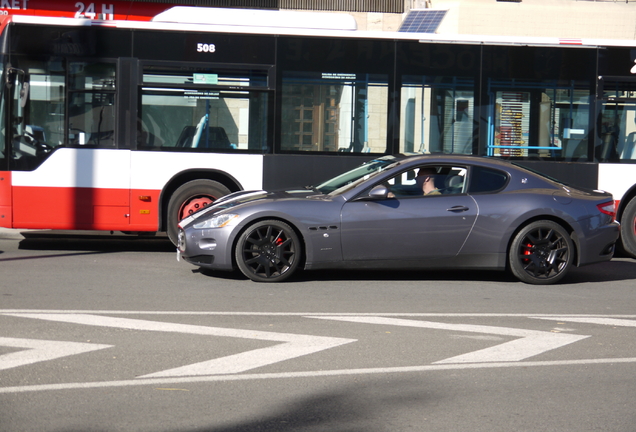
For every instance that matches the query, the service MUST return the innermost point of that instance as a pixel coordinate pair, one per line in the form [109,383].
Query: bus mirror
[24,94]
[12,75]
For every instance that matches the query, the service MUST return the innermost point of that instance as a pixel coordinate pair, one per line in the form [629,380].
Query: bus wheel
[541,253]
[268,251]
[189,198]
[628,229]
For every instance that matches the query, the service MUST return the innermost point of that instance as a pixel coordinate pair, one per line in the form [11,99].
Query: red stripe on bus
[6,220]
[85,209]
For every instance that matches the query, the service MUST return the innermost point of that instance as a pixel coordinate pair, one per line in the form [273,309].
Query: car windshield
[350,179]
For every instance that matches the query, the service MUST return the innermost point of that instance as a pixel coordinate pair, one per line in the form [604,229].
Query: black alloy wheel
[541,253]
[268,251]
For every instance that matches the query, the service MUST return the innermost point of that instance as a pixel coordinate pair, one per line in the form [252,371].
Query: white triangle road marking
[531,342]
[36,350]
[294,345]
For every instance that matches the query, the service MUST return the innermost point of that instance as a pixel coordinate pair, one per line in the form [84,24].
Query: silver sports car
[420,212]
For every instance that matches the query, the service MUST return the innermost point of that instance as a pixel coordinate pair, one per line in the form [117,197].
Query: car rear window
[483,180]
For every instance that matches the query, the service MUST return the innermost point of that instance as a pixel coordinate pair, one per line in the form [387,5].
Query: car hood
[244,197]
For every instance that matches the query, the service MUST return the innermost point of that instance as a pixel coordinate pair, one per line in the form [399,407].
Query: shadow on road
[355,409]
[619,269]
[369,407]
[97,242]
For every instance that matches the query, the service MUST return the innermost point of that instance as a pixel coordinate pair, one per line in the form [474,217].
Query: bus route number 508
[206,48]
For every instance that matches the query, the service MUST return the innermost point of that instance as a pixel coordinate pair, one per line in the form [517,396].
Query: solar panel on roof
[422,21]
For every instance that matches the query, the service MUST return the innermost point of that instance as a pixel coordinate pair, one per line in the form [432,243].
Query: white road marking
[593,320]
[290,314]
[310,374]
[616,320]
[295,345]
[532,342]
[41,350]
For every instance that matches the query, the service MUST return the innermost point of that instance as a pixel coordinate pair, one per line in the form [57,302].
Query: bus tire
[189,198]
[628,229]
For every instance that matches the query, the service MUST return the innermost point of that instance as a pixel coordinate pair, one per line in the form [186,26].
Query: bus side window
[91,107]
[202,111]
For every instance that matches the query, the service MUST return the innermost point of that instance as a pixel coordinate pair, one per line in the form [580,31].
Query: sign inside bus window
[198,94]
[201,78]
[339,76]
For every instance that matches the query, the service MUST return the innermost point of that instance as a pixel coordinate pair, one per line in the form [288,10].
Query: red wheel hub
[194,204]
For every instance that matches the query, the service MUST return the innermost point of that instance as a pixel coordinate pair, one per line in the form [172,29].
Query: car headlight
[218,221]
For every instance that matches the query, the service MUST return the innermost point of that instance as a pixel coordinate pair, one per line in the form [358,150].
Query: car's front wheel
[268,251]
[541,253]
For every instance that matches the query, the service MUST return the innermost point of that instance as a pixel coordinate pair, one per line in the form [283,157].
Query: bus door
[616,121]
[66,172]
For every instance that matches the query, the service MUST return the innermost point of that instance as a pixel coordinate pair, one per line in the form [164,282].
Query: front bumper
[209,248]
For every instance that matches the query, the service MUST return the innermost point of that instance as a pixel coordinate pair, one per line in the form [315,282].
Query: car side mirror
[379,192]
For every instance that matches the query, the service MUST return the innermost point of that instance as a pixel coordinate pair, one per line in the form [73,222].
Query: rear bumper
[599,244]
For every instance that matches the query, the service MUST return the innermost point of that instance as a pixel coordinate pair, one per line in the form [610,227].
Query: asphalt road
[111,333]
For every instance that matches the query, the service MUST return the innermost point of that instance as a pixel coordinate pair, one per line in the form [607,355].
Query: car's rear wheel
[189,198]
[541,253]
[268,251]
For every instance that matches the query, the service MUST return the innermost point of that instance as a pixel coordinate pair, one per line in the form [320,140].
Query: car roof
[459,159]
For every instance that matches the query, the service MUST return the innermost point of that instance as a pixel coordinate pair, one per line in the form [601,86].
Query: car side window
[486,180]
[428,180]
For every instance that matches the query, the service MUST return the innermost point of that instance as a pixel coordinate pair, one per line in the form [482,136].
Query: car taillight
[608,208]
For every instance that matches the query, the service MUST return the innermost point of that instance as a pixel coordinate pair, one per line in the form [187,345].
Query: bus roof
[257,18]
[167,21]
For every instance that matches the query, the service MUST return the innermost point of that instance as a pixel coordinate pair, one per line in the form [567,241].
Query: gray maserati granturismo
[408,212]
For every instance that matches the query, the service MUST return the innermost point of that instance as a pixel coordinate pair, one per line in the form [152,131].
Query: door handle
[457,209]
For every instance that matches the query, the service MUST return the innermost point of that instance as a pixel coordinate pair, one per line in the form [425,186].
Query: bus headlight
[218,221]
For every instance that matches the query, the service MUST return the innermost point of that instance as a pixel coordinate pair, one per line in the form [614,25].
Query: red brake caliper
[527,251]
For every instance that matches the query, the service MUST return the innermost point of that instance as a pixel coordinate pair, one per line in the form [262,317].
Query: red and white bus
[129,125]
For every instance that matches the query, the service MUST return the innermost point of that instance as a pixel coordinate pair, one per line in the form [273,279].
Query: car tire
[188,198]
[541,253]
[268,251]
[628,229]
